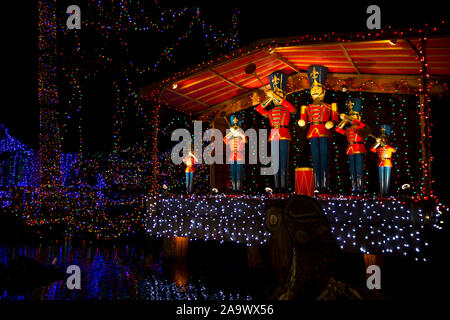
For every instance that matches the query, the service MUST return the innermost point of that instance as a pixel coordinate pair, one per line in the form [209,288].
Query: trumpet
[379,141]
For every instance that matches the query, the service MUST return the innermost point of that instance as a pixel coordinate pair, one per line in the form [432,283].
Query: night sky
[258,20]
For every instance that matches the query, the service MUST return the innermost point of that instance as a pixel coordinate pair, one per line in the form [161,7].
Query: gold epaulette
[303,109]
[334,106]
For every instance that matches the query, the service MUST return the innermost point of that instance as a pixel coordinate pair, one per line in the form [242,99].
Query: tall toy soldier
[279,115]
[236,140]
[384,152]
[322,117]
[190,160]
[355,149]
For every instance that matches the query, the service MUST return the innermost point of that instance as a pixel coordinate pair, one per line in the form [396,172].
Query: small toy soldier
[279,114]
[384,152]
[190,160]
[322,117]
[355,149]
[236,140]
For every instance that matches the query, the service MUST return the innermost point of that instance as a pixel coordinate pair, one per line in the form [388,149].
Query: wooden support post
[424,117]
[425,145]
[212,176]
[155,142]
[373,259]
[176,247]
[180,273]
[425,113]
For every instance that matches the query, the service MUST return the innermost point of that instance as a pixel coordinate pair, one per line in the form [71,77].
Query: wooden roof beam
[243,99]
[221,104]
[349,58]
[187,97]
[212,76]
[227,80]
[285,61]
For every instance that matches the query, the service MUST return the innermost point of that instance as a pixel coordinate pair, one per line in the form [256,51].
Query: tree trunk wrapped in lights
[49,137]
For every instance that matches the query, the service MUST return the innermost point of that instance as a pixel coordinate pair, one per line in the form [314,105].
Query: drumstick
[225,117]
[251,69]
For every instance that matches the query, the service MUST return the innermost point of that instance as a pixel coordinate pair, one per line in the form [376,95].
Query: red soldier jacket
[189,161]
[236,146]
[384,154]
[279,117]
[355,141]
[318,115]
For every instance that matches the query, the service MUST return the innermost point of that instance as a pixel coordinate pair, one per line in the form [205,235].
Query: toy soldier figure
[355,149]
[279,112]
[236,140]
[190,160]
[322,117]
[384,152]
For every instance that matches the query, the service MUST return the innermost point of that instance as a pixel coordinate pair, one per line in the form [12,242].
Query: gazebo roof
[366,65]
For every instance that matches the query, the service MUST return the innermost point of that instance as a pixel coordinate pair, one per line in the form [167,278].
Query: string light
[380,226]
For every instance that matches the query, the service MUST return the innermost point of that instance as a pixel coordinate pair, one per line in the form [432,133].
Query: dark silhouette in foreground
[304,253]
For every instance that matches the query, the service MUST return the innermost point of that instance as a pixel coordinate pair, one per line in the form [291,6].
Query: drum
[304,181]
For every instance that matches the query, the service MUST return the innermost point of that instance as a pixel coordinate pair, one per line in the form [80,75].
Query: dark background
[257,20]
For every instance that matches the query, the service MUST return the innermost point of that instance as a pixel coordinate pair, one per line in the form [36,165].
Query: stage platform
[359,224]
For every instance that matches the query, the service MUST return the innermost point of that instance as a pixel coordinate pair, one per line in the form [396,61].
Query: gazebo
[413,63]
[399,62]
